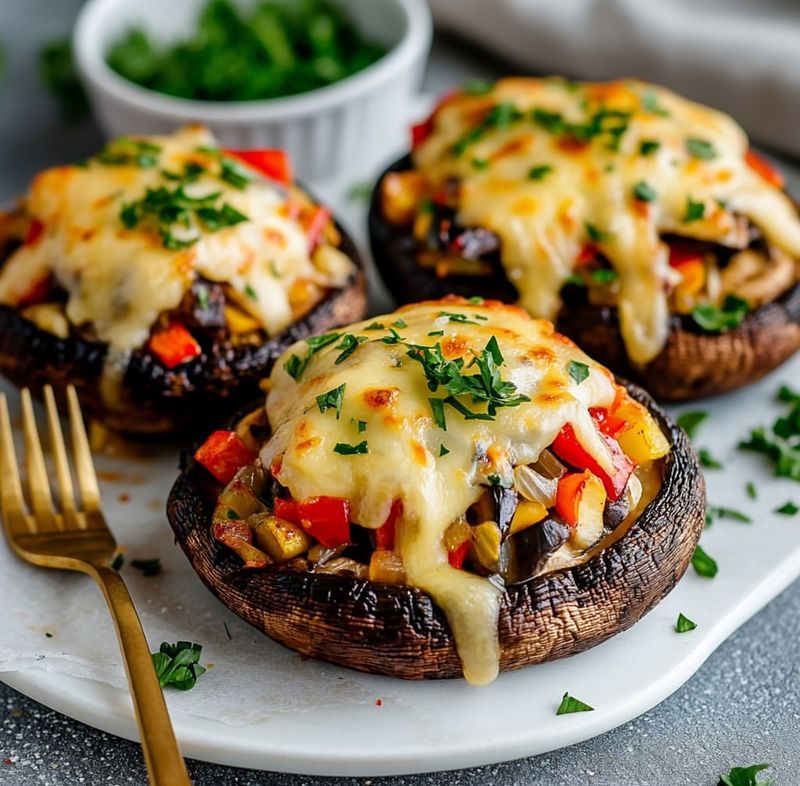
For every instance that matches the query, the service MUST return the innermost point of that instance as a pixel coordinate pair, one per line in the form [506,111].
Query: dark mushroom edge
[693,364]
[168,403]
[398,631]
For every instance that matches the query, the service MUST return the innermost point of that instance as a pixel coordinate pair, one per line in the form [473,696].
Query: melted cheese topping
[120,280]
[544,222]
[388,391]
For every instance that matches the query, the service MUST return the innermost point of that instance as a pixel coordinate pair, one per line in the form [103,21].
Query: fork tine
[84,466]
[11,499]
[66,492]
[38,482]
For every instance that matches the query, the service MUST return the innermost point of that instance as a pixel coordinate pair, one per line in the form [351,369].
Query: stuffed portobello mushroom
[163,276]
[454,488]
[640,222]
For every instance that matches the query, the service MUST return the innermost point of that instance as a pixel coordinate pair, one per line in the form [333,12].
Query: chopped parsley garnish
[788,509]
[480,163]
[499,480]
[332,400]
[436,333]
[126,151]
[570,704]
[375,326]
[344,449]
[704,564]
[650,104]
[694,210]
[575,279]
[606,123]
[233,173]
[162,209]
[149,567]
[361,425]
[716,319]
[360,192]
[499,116]
[477,87]
[751,490]
[295,365]
[443,451]
[539,172]
[460,318]
[597,235]
[191,171]
[745,776]
[701,148]
[578,371]
[348,345]
[707,460]
[250,292]
[729,513]
[690,421]
[476,300]
[400,323]
[649,146]
[486,386]
[684,624]
[604,275]
[232,515]
[177,664]
[644,192]
[393,338]
[782,445]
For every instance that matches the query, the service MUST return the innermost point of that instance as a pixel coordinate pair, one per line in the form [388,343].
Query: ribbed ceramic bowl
[346,127]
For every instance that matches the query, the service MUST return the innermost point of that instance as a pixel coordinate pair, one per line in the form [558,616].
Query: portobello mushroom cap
[398,631]
[162,403]
[693,364]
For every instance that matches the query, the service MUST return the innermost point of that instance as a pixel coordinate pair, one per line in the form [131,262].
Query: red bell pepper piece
[34,233]
[384,535]
[286,509]
[275,164]
[315,226]
[326,519]
[223,454]
[174,345]
[457,556]
[761,166]
[587,253]
[680,254]
[609,424]
[567,448]
[38,292]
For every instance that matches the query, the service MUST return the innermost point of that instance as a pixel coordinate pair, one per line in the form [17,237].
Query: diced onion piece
[580,502]
[535,487]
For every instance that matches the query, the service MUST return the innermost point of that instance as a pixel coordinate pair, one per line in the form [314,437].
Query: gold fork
[77,538]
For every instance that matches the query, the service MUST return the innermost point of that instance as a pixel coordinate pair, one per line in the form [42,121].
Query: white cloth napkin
[741,56]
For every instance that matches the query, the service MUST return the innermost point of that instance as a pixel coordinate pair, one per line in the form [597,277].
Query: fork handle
[162,757]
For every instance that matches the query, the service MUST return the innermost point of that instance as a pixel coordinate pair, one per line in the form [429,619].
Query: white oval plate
[261,706]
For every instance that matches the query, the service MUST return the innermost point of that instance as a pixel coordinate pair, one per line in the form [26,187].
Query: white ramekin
[345,128]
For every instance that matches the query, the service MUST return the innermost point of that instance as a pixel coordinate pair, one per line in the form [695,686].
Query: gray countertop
[742,707]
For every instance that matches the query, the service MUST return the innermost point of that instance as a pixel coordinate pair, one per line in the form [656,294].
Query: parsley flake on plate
[570,704]
[707,460]
[788,509]
[704,564]
[177,664]
[684,624]
[691,421]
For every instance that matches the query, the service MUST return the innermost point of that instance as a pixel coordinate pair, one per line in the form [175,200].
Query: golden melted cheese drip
[120,280]
[388,391]
[542,224]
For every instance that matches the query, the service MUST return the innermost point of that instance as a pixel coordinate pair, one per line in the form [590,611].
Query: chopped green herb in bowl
[269,50]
